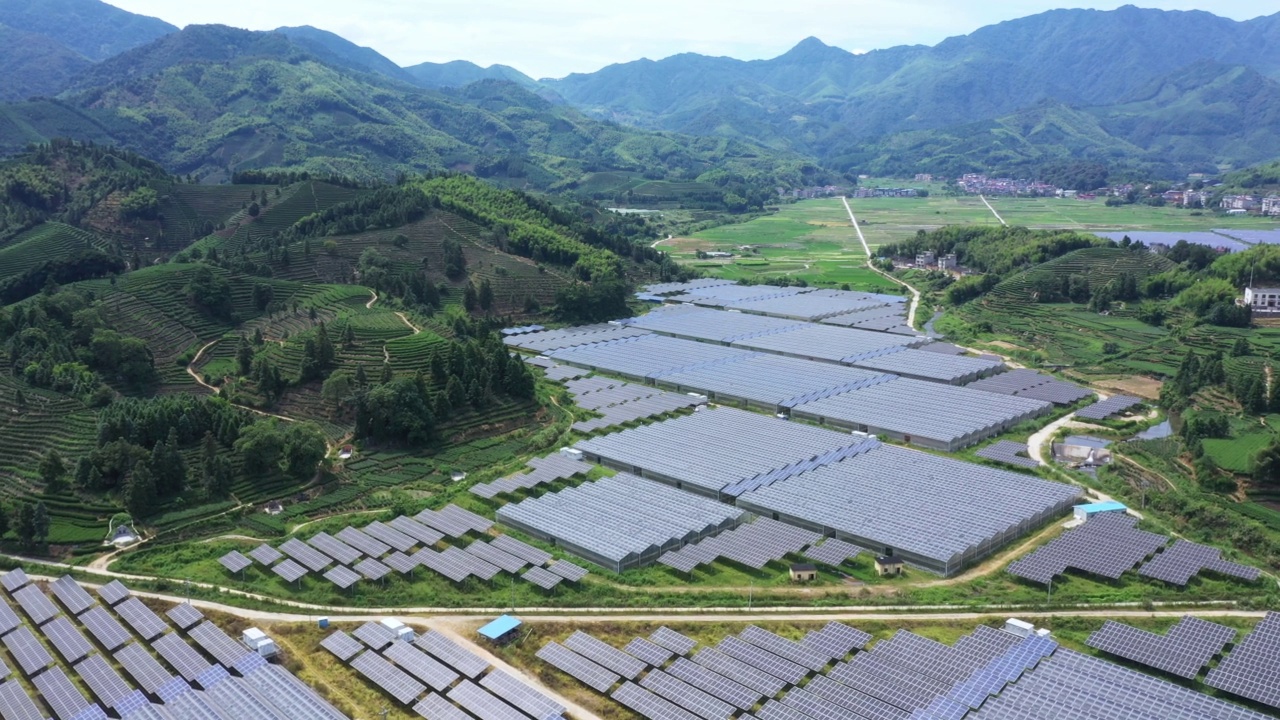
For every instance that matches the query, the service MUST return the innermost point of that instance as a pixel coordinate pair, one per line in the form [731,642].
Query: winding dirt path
[369,305]
[915,294]
[416,330]
[993,210]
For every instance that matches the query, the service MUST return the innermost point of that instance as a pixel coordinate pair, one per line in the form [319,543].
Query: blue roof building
[1084,512]
[502,629]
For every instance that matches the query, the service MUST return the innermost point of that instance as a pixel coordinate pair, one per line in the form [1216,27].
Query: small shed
[501,631]
[1084,512]
[888,565]
[803,573]
[259,642]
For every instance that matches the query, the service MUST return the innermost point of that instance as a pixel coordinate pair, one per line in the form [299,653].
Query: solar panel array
[1107,544]
[628,403]
[722,688]
[1034,385]
[334,548]
[113,592]
[103,681]
[543,578]
[685,695]
[834,552]
[454,655]
[1184,650]
[343,646]
[532,702]
[836,640]
[650,705]
[394,681]
[482,704]
[141,618]
[265,554]
[8,618]
[937,513]
[622,521]
[27,651]
[14,579]
[755,545]
[105,628]
[305,555]
[1252,669]
[184,615]
[234,561]
[36,604]
[546,470]
[567,570]
[73,597]
[289,570]
[1106,408]
[605,655]
[672,640]
[60,693]
[390,536]
[1183,560]
[189,663]
[375,635]
[454,521]
[421,665]
[366,544]
[761,659]
[590,673]
[551,340]
[67,640]
[1008,452]
[218,643]
[648,651]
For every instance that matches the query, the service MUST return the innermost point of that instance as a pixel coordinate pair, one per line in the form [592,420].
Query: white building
[1271,205]
[1262,298]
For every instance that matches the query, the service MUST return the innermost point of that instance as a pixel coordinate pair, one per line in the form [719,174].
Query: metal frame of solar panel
[1009,452]
[544,579]
[933,415]
[938,514]
[27,651]
[1183,560]
[265,554]
[14,579]
[363,542]
[184,615]
[389,536]
[36,604]
[66,639]
[60,693]
[1250,669]
[343,646]
[289,570]
[334,548]
[619,522]
[1181,652]
[452,654]
[305,555]
[141,618]
[416,530]
[734,693]
[604,654]
[483,704]
[650,705]
[75,598]
[1107,544]
[568,571]
[521,696]
[414,661]
[189,663]
[1073,686]
[235,562]
[104,628]
[590,673]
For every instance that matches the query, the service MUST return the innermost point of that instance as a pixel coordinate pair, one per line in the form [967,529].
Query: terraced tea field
[49,241]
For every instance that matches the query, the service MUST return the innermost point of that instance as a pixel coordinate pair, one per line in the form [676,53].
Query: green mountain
[461,72]
[851,109]
[336,50]
[35,64]
[211,101]
[92,29]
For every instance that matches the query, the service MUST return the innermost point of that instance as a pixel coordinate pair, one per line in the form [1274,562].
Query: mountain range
[1145,92]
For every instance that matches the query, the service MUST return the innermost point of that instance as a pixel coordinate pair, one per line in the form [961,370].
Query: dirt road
[915,294]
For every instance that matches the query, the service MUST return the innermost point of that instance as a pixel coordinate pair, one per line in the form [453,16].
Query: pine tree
[40,522]
[139,494]
[244,357]
[53,472]
[362,379]
[387,375]
[348,336]
[486,295]
[469,297]
[324,347]
[25,524]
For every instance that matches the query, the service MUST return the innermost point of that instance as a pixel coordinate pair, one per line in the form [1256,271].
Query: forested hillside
[175,349]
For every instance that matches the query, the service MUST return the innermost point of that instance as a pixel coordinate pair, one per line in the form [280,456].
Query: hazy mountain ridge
[89,28]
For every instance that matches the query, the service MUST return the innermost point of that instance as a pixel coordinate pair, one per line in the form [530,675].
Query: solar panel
[265,554]
[400,562]
[8,618]
[482,569]
[184,615]
[447,566]
[60,693]
[390,536]
[181,656]
[141,618]
[1250,669]
[145,670]
[833,552]
[73,597]
[36,604]
[476,522]
[650,705]
[417,531]
[342,576]
[482,704]
[520,695]
[16,704]
[774,710]
[436,707]
[291,695]
[307,556]
[103,681]
[343,646]
[734,693]
[289,570]
[1184,560]
[113,592]
[236,699]
[394,681]
[836,640]
[544,579]
[436,675]
[649,652]
[494,556]
[364,543]
[763,660]
[334,548]
[672,640]
[217,643]
[604,654]
[14,579]
[520,549]
[375,635]
[372,569]
[4,670]
[451,653]
[567,570]
[740,672]
[454,527]
[686,696]
[1183,651]
[592,674]
[27,651]
[66,639]
[1009,452]
[784,648]
[1108,544]
[234,561]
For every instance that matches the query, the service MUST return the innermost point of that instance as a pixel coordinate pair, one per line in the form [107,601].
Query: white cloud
[552,38]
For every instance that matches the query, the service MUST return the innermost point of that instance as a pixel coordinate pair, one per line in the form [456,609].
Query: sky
[552,38]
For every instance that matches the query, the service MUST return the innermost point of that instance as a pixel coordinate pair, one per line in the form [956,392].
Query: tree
[4,521]
[40,522]
[1240,348]
[244,358]
[254,210]
[455,392]
[260,446]
[486,295]
[324,348]
[303,449]
[470,297]
[25,524]
[139,494]
[217,478]
[337,389]
[348,336]
[361,378]
[20,399]
[263,294]
[1266,466]
[167,466]
[387,375]
[53,472]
